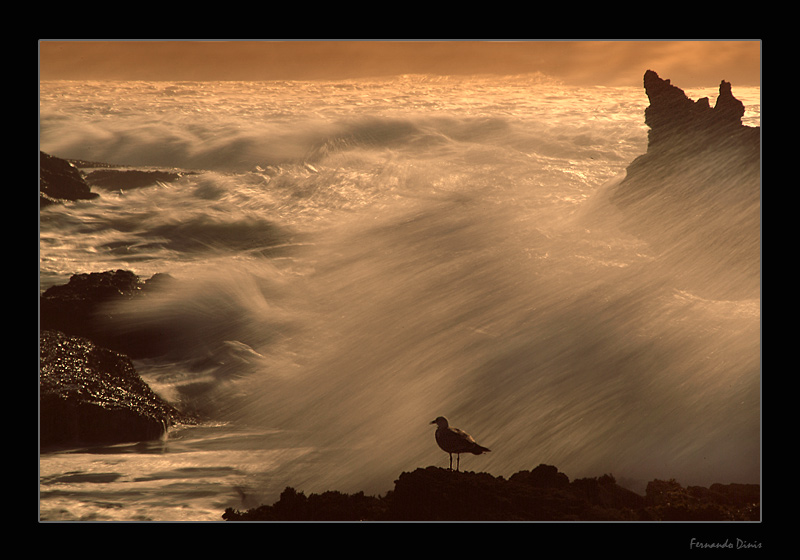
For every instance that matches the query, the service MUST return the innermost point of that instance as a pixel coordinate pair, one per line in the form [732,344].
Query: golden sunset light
[610,63]
[401,281]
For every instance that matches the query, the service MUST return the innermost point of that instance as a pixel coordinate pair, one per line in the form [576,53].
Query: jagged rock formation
[695,195]
[693,150]
[542,494]
[90,394]
[674,118]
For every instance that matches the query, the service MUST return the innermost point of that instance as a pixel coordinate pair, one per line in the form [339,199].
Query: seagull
[453,440]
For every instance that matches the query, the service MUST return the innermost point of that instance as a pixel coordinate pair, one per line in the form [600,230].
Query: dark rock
[129,178]
[691,139]
[328,506]
[87,306]
[87,164]
[543,476]
[672,114]
[605,494]
[744,495]
[435,494]
[667,500]
[673,117]
[695,195]
[543,494]
[90,394]
[60,181]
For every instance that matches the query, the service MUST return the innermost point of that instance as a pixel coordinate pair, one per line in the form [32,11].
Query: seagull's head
[441,421]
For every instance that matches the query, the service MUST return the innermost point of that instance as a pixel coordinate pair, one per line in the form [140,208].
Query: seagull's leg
[451,461]
[458,461]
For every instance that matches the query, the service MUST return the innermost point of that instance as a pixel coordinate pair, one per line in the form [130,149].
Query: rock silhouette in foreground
[542,494]
[89,389]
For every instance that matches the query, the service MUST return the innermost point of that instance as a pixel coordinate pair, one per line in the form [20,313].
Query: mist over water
[357,258]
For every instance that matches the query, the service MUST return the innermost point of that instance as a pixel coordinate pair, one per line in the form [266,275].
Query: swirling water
[358,257]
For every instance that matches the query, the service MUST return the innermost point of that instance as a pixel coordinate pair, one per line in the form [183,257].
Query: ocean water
[356,258]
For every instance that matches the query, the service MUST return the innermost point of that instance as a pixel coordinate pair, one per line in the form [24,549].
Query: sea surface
[356,258]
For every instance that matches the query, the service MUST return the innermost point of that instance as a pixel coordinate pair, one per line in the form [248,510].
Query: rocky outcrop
[695,195]
[694,151]
[542,494]
[674,118]
[87,305]
[90,394]
[667,500]
[90,391]
[120,179]
[60,181]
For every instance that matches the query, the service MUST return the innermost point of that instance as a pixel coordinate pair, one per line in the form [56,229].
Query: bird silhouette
[453,440]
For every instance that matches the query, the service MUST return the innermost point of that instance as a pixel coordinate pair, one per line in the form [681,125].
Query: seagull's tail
[478,449]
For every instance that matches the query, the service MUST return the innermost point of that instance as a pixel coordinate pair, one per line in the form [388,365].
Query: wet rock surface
[90,391]
[90,394]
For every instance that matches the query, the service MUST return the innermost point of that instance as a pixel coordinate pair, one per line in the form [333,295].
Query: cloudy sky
[610,63]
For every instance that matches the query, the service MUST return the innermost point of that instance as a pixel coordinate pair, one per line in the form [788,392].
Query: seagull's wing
[458,441]
[462,435]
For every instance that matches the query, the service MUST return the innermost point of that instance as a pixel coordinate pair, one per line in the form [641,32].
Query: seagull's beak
[433,422]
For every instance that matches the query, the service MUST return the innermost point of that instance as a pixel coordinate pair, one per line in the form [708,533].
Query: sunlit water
[356,258]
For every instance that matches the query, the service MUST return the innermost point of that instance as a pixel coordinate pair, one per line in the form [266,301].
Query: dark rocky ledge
[89,395]
[87,306]
[542,494]
[121,179]
[90,391]
[62,180]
